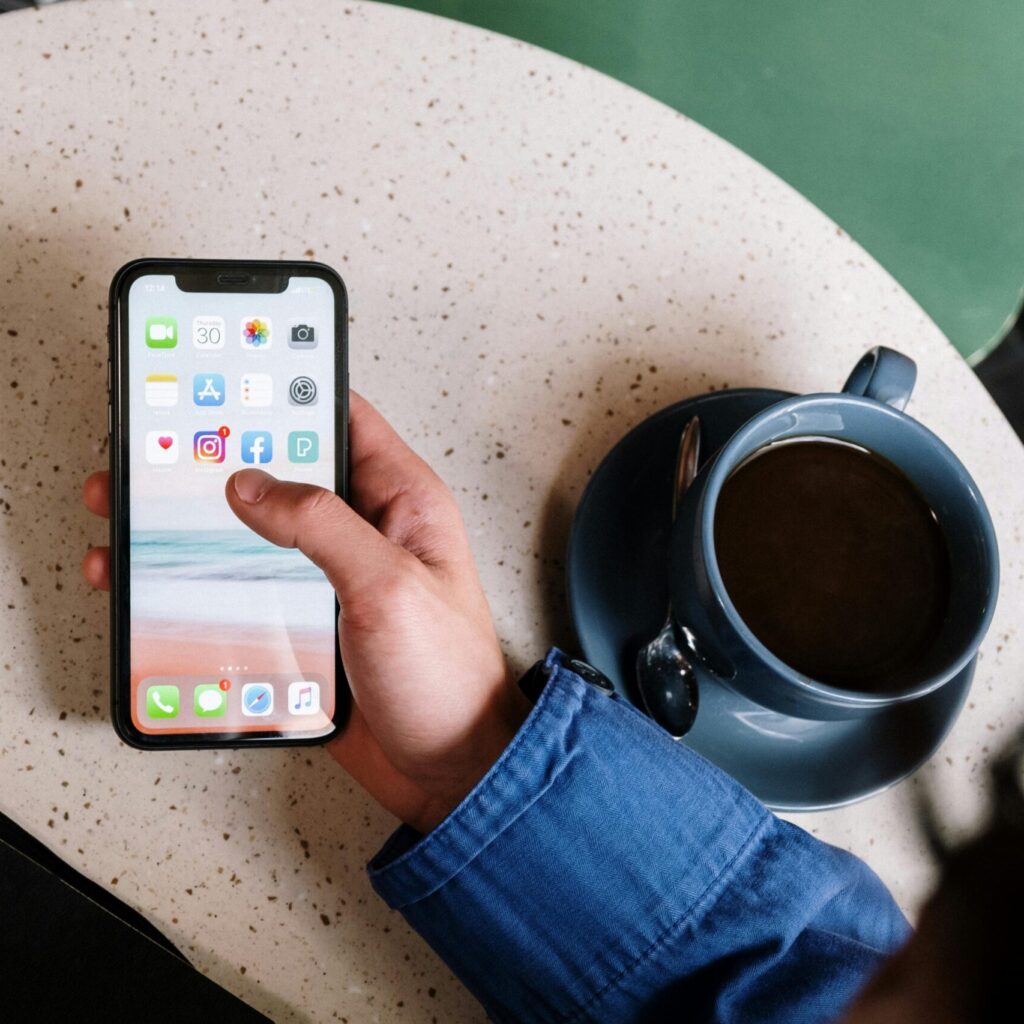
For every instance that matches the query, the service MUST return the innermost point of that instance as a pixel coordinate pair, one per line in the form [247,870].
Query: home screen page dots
[219,382]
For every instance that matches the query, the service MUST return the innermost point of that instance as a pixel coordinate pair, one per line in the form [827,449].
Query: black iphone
[218,637]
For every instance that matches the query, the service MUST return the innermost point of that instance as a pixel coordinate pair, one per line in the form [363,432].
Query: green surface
[902,119]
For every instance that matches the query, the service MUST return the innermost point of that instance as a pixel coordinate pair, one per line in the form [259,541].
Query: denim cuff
[410,866]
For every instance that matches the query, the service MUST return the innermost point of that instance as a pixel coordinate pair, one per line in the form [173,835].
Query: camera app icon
[302,336]
[208,446]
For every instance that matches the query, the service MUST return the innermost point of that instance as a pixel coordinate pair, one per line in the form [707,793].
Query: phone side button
[110,425]
[108,376]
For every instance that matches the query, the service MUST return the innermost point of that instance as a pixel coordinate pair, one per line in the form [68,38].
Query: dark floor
[1003,374]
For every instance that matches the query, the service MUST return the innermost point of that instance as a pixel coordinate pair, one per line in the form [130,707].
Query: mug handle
[885,375]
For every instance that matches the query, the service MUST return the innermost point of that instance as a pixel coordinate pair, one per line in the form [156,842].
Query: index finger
[96,493]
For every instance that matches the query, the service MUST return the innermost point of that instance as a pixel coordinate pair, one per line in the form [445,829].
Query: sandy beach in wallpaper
[226,602]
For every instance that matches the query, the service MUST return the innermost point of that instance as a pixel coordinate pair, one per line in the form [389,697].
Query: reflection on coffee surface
[835,562]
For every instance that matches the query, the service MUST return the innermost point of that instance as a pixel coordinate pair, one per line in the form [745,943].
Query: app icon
[161,389]
[208,389]
[304,698]
[257,389]
[302,336]
[209,445]
[255,333]
[302,391]
[303,446]
[208,333]
[161,447]
[257,699]
[257,446]
[162,702]
[161,332]
[209,700]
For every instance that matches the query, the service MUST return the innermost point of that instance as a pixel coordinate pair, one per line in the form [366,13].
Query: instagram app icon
[208,445]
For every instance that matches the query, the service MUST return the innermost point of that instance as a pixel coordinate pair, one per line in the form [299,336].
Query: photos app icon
[255,333]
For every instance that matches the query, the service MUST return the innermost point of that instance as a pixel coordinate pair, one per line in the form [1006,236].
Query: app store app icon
[208,389]
[303,446]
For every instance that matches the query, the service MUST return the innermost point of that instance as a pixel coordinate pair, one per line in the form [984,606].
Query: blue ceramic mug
[868,413]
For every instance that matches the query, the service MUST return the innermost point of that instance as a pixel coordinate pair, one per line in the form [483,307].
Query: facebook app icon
[257,446]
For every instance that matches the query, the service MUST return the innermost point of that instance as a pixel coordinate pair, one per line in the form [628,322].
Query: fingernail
[252,484]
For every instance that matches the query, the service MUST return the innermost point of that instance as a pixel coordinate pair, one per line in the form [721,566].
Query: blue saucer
[618,592]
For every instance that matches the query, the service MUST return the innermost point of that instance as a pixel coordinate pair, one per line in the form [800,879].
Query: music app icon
[304,698]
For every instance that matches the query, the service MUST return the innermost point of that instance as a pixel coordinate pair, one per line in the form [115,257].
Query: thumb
[317,522]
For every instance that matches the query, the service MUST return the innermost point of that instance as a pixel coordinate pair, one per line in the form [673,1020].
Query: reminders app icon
[257,389]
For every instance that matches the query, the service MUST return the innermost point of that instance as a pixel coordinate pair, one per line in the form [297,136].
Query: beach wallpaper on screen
[211,601]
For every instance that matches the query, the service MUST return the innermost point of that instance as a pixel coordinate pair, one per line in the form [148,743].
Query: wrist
[496,730]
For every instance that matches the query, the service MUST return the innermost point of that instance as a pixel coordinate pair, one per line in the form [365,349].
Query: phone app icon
[255,333]
[208,333]
[161,390]
[209,700]
[302,336]
[303,446]
[161,447]
[304,698]
[257,389]
[208,389]
[161,332]
[162,702]
[209,445]
[257,699]
[257,446]
[302,391]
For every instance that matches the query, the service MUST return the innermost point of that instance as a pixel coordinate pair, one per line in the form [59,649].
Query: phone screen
[229,635]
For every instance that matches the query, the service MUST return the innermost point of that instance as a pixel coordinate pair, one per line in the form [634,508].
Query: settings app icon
[302,391]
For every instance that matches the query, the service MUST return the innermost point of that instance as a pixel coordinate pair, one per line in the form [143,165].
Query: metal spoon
[664,676]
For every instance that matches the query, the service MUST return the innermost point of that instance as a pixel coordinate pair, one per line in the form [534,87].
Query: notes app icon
[304,698]
[162,390]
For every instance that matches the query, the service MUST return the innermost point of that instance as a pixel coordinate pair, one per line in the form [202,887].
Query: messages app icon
[209,700]
[303,446]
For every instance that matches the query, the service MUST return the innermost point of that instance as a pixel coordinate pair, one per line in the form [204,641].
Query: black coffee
[834,561]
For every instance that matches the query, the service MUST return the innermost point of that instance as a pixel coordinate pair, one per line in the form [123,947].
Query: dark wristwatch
[537,676]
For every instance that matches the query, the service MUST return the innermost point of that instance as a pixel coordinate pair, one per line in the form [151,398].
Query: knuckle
[314,503]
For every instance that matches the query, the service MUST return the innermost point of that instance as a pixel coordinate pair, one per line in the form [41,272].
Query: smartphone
[218,637]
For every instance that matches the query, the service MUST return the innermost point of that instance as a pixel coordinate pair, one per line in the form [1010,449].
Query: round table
[538,258]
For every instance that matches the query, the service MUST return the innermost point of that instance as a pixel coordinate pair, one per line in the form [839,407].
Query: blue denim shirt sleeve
[601,871]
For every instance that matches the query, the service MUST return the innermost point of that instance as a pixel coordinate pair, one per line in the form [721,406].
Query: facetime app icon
[162,332]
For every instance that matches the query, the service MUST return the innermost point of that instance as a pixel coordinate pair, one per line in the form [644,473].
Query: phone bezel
[199,271]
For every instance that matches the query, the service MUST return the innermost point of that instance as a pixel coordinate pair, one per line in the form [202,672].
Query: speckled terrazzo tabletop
[537,258]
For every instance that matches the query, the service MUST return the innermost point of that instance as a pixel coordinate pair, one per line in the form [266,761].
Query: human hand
[433,702]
